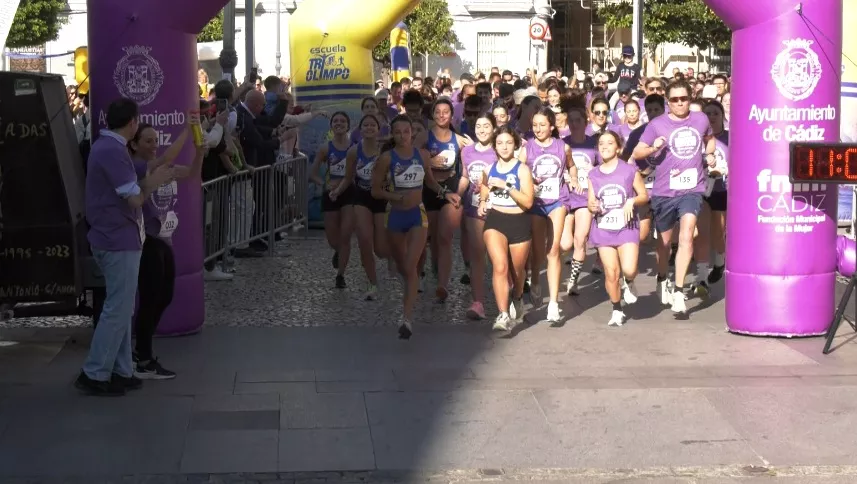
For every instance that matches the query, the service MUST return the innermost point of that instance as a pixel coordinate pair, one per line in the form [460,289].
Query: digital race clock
[823,163]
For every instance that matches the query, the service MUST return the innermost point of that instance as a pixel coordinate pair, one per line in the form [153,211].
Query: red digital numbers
[823,162]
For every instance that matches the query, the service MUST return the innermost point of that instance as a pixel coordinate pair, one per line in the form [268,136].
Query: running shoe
[340,281]
[617,318]
[716,274]
[465,279]
[629,292]
[371,292]
[679,305]
[701,290]
[405,329]
[665,290]
[516,309]
[476,311]
[152,370]
[553,312]
[502,323]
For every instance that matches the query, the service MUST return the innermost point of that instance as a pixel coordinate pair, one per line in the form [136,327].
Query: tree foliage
[213,30]
[688,22]
[430,25]
[36,22]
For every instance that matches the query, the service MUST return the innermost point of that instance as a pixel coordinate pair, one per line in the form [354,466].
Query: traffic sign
[547,36]
[538,27]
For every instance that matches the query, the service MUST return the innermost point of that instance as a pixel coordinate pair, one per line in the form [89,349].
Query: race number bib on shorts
[649,180]
[548,189]
[168,225]
[612,220]
[686,180]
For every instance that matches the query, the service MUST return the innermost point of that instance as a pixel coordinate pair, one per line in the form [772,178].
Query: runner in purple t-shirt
[616,190]
[680,172]
[599,111]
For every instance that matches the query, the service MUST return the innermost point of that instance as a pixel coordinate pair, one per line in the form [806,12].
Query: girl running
[369,211]
[508,185]
[369,106]
[712,219]
[443,147]
[616,188]
[501,114]
[408,169]
[554,172]
[632,119]
[337,199]
[477,160]
[599,110]
[575,231]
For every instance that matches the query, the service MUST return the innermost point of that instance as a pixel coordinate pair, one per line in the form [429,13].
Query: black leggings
[156,282]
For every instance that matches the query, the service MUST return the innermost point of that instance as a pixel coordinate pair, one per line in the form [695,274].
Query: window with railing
[492,51]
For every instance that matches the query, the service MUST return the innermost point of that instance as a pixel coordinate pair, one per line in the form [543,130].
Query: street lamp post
[278,66]
[228,56]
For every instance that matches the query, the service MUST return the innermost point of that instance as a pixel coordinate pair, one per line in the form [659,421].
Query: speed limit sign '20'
[538,28]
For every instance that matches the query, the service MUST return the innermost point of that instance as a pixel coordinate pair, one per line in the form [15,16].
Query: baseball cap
[628,50]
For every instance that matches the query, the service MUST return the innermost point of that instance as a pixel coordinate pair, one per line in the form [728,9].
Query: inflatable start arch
[781,242]
[138,52]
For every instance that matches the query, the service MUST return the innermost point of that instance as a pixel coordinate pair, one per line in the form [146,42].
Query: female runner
[553,173]
[368,106]
[575,232]
[443,147]
[632,119]
[157,263]
[337,199]
[616,188]
[712,218]
[477,159]
[501,114]
[407,222]
[508,185]
[368,211]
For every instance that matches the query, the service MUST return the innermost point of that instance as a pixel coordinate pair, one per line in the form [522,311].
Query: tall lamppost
[228,56]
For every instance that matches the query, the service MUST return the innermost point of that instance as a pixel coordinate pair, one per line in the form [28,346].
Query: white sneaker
[502,323]
[536,295]
[629,292]
[617,318]
[217,274]
[553,312]
[666,293]
[516,309]
[678,302]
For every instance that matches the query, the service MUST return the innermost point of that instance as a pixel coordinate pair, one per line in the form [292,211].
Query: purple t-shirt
[625,131]
[585,157]
[159,214]
[548,165]
[110,179]
[612,190]
[474,164]
[683,153]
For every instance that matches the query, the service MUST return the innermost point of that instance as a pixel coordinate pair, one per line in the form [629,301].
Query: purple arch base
[138,52]
[781,242]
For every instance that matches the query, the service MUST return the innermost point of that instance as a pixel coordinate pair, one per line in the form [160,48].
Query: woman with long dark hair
[156,279]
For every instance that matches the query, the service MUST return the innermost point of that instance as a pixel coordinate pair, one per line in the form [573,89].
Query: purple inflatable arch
[146,51]
[781,241]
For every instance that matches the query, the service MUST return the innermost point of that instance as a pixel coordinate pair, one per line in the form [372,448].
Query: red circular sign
[537,30]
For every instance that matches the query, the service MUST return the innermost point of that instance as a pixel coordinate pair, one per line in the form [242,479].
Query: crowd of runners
[529,169]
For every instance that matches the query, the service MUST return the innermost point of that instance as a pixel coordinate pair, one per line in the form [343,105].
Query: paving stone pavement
[275,389]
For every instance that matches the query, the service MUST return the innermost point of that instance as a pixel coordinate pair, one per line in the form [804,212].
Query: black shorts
[669,210]
[430,200]
[717,201]
[517,227]
[344,198]
[363,198]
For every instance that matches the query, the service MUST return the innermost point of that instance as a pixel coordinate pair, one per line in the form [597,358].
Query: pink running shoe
[476,312]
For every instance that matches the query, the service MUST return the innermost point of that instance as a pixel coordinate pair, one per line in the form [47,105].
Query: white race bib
[474,200]
[365,173]
[411,177]
[450,158]
[168,225]
[612,220]
[583,178]
[686,180]
[337,169]
[548,189]
[650,180]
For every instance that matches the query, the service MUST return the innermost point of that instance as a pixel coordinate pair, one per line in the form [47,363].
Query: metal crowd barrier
[254,205]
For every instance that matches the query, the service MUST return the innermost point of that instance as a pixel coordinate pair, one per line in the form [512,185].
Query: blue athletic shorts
[668,210]
[402,221]
[543,210]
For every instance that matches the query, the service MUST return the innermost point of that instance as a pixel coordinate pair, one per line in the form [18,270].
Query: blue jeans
[110,350]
